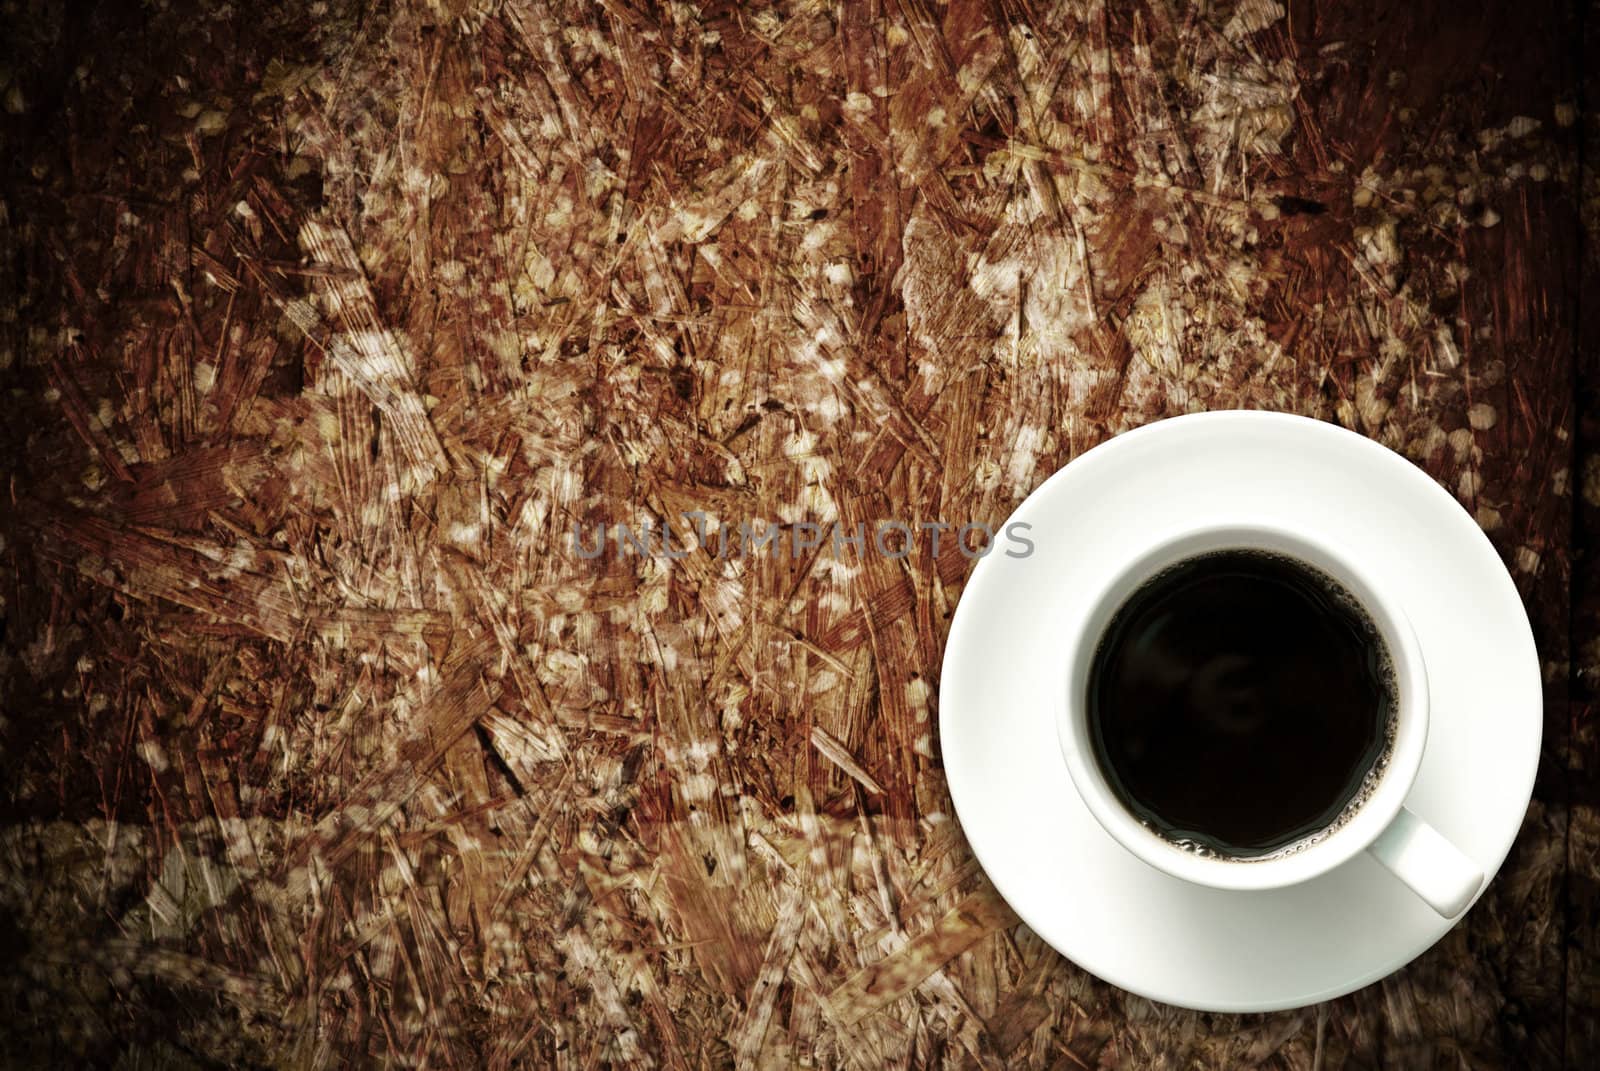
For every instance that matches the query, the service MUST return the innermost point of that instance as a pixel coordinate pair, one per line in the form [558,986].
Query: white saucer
[1095,902]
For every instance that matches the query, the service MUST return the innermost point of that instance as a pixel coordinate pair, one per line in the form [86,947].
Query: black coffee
[1238,700]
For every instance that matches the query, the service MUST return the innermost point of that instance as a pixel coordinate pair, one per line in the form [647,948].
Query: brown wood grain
[323,327]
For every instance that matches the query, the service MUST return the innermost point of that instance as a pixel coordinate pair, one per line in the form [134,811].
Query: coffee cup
[1374,819]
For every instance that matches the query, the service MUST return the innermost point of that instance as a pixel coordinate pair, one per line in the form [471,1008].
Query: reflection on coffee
[1238,702]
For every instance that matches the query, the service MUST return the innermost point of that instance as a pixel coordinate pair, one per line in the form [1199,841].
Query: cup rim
[1294,864]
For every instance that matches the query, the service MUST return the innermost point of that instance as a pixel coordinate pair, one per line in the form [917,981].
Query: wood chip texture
[325,327]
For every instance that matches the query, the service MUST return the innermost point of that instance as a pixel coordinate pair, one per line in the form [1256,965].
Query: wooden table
[328,326]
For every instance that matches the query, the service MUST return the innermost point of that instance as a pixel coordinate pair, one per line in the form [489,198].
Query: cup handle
[1435,869]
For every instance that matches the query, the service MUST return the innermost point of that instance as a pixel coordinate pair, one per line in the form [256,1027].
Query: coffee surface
[1238,700]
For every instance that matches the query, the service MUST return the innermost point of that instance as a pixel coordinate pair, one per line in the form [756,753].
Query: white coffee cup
[1411,849]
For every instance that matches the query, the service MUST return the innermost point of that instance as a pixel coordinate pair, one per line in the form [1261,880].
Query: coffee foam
[1345,600]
